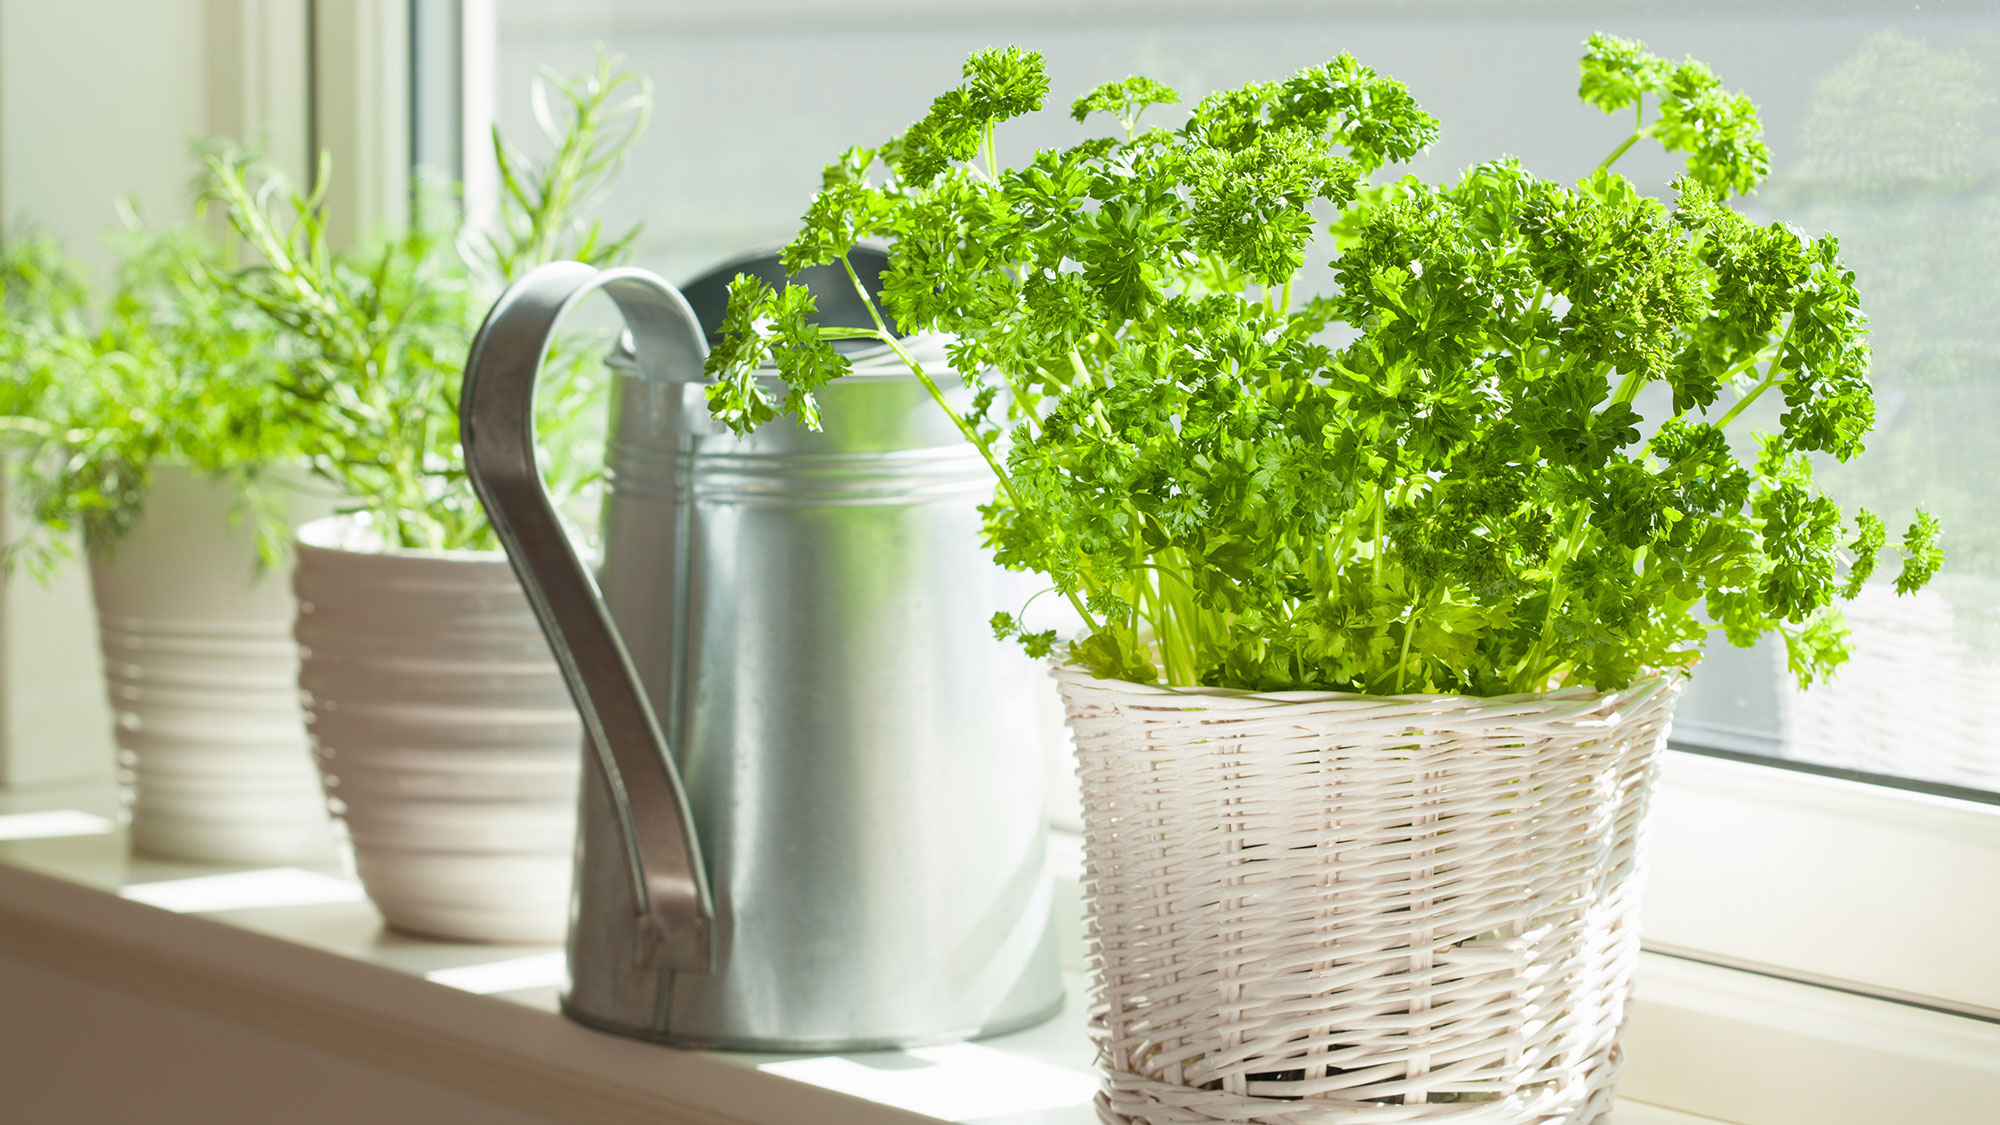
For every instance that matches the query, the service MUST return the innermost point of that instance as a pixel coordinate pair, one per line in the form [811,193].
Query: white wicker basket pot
[445,737]
[201,672]
[1308,907]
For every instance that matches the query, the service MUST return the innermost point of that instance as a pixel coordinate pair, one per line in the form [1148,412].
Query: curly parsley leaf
[1717,129]
[1922,556]
[1124,100]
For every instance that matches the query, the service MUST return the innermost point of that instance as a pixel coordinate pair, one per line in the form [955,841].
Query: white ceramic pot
[447,742]
[200,667]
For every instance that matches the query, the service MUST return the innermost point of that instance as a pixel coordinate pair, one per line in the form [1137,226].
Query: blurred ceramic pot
[445,738]
[201,672]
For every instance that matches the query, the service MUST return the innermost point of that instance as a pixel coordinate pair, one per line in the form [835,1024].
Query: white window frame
[362,114]
[1826,880]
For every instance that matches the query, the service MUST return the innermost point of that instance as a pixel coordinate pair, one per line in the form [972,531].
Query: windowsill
[320,971]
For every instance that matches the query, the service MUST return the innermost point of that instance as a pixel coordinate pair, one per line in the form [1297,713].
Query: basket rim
[1637,692]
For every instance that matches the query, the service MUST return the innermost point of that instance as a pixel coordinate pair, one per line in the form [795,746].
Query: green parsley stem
[1743,404]
[1076,364]
[1723,378]
[1380,503]
[1638,131]
[965,428]
[1740,368]
[1754,359]
[1171,609]
[1771,379]
[1621,150]
[1161,615]
[1558,559]
[1628,388]
[1409,630]
[1177,620]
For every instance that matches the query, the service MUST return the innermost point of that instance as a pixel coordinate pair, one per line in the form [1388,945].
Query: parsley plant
[1432,478]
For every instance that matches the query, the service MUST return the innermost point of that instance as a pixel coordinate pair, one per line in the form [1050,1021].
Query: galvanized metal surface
[805,613]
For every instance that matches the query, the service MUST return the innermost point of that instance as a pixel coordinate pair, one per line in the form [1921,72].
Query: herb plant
[172,370]
[376,338]
[1434,477]
[359,381]
[43,300]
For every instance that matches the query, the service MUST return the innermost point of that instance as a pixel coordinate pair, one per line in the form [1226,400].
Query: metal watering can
[811,813]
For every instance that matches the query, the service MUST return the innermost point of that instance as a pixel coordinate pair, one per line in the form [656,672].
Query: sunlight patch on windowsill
[243,890]
[541,970]
[959,1082]
[53,823]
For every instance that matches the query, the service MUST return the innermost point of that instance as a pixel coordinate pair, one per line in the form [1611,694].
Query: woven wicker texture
[1309,908]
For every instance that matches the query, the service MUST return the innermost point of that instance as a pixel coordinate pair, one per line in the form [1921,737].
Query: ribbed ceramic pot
[445,738]
[201,672]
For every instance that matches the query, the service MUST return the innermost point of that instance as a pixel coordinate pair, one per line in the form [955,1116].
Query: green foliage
[42,291]
[346,361]
[1717,129]
[42,297]
[1922,556]
[545,216]
[1125,100]
[804,359]
[375,338]
[1455,491]
[175,372]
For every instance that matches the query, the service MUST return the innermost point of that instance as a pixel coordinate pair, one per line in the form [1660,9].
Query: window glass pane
[1884,124]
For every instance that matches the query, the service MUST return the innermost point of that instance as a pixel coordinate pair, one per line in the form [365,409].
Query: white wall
[98,99]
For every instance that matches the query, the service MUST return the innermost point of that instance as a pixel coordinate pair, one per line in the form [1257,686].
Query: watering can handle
[496,426]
